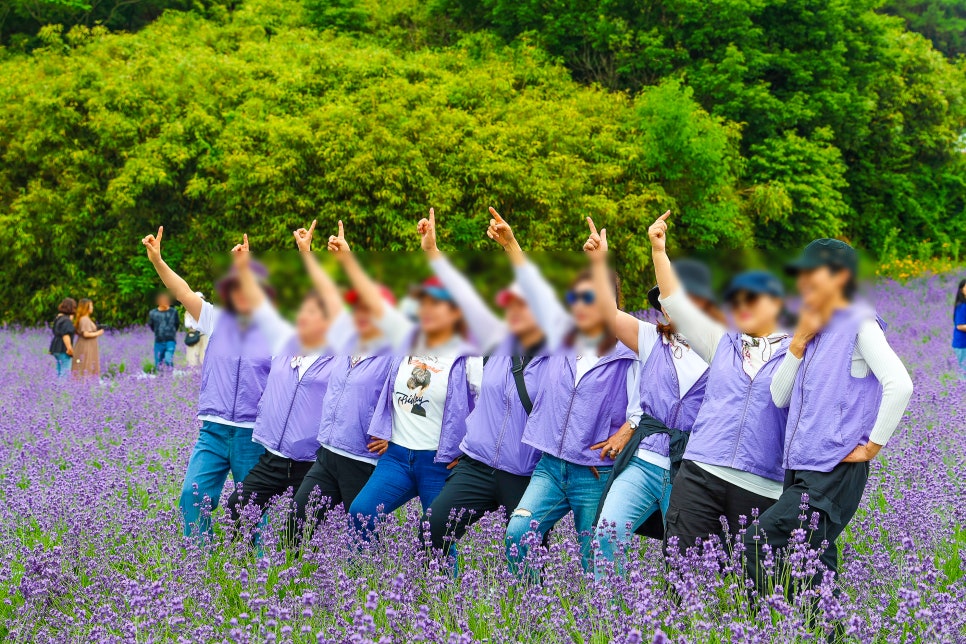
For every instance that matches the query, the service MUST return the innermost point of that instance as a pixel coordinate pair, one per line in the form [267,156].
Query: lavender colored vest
[494,429]
[234,372]
[738,425]
[460,401]
[350,403]
[290,409]
[661,396]
[831,411]
[567,418]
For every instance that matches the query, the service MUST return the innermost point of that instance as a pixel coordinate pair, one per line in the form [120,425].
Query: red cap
[352,296]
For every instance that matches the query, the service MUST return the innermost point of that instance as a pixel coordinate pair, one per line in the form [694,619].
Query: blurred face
[519,318]
[819,286]
[163,301]
[582,300]
[311,323]
[362,317]
[239,303]
[754,313]
[437,316]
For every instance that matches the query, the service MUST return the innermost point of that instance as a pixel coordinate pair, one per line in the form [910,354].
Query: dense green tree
[941,21]
[215,128]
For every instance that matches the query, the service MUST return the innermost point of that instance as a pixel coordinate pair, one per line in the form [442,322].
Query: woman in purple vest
[496,465]
[732,465]
[583,413]
[430,389]
[347,455]
[672,383]
[233,377]
[289,412]
[846,391]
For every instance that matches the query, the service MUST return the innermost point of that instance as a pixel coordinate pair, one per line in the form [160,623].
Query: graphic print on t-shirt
[418,383]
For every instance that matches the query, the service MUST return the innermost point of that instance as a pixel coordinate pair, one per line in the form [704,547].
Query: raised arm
[172,281]
[702,332]
[246,279]
[395,326]
[486,328]
[321,281]
[364,285]
[552,317]
[625,326]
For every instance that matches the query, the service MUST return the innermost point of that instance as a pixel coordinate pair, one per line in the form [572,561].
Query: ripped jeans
[556,488]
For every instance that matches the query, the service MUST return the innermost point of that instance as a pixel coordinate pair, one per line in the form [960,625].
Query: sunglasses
[743,298]
[587,297]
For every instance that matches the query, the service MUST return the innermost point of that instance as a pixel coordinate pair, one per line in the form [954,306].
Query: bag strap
[517,370]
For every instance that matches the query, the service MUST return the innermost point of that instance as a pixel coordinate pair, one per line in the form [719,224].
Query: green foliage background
[760,123]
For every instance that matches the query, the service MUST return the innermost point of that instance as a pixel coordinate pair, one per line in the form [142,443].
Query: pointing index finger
[664,216]
[496,215]
[160,232]
[341,229]
[593,228]
[312,227]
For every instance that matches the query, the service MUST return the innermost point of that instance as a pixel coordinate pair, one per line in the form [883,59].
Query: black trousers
[338,478]
[472,489]
[699,499]
[834,495]
[271,476]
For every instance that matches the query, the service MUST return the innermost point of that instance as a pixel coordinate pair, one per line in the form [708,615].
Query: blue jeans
[556,488]
[220,449]
[961,358]
[400,475]
[63,364]
[164,353]
[638,491]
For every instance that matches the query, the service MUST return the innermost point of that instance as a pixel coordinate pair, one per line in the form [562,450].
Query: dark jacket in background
[164,324]
[62,326]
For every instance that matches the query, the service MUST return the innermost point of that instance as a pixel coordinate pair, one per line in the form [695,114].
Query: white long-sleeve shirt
[872,353]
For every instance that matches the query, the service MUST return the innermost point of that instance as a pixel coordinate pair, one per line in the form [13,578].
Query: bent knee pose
[672,384]
[234,374]
[496,465]
[582,415]
[289,412]
[430,388]
[732,464]
[846,391]
[347,455]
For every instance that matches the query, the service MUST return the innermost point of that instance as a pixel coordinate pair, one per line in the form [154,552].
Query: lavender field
[91,545]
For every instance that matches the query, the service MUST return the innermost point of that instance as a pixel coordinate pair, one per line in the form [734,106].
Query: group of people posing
[683,430]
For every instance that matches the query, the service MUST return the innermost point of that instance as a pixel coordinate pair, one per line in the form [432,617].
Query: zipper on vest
[288,415]
[234,402]
[499,440]
[563,435]
[345,386]
[801,407]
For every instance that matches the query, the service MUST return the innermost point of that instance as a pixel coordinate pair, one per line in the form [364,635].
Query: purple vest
[739,425]
[234,372]
[494,429]
[661,396]
[831,411]
[460,401]
[350,403]
[566,418]
[290,409]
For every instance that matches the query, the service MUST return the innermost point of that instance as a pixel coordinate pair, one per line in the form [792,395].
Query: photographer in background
[163,320]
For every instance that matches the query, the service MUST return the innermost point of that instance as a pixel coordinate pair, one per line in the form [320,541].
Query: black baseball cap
[695,276]
[825,252]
